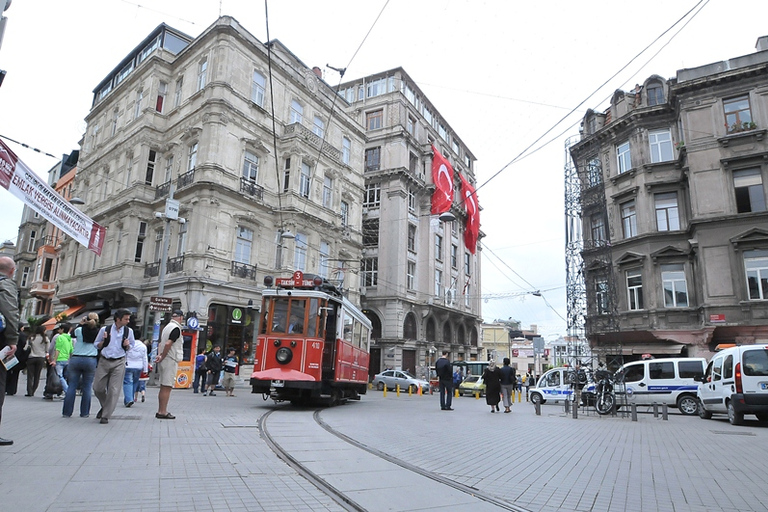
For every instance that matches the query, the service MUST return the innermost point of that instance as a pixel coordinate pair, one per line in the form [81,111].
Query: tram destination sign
[161,304]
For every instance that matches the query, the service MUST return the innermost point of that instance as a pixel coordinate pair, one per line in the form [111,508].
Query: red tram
[313,343]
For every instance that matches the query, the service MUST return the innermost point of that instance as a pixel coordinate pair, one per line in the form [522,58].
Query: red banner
[472,207]
[20,181]
[442,177]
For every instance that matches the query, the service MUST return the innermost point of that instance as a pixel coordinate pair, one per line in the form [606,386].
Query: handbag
[52,382]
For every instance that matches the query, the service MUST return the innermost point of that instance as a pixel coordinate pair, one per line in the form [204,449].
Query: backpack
[106,341]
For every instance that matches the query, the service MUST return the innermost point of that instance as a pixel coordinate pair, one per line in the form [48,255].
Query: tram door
[186,370]
[329,347]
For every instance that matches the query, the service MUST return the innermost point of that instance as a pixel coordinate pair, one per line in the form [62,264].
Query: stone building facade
[673,195]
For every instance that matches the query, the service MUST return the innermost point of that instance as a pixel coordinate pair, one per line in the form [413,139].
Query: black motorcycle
[605,397]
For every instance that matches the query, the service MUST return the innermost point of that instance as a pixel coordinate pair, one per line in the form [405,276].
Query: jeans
[200,376]
[130,384]
[446,395]
[80,374]
[61,369]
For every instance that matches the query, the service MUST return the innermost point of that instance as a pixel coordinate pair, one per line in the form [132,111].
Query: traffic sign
[161,304]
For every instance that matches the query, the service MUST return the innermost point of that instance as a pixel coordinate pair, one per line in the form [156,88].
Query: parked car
[670,381]
[736,383]
[392,378]
[471,385]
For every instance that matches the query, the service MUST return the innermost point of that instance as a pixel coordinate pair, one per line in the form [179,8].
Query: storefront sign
[717,319]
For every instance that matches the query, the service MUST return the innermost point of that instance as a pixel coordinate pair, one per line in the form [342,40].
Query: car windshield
[471,379]
[408,375]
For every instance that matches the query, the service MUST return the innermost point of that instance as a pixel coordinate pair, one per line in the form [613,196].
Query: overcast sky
[500,72]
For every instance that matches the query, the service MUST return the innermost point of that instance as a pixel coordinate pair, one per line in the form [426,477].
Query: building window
[410,125]
[601,296]
[344,207]
[346,150]
[373,159]
[623,158]
[304,180]
[413,163]
[192,158]
[158,244]
[181,247]
[438,283]
[454,256]
[250,166]
[151,160]
[411,201]
[674,286]
[635,290]
[140,242]
[370,268]
[738,115]
[756,266]
[202,69]
[438,247]
[667,216]
[32,239]
[661,146]
[594,172]
[467,261]
[442,132]
[411,238]
[24,277]
[373,120]
[327,191]
[325,255]
[257,88]
[597,225]
[410,275]
[318,127]
[655,94]
[371,232]
[168,168]
[748,185]
[137,106]
[243,245]
[300,252]
[372,195]
[162,90]
[629,219]
[297,112]
[177,92]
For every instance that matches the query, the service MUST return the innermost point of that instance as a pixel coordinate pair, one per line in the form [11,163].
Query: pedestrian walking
[82,366]
[9,336]
[200,371]
[443,370]
[62,351]
[492,381]
[136,363]
[169,352]
[213,364]
[230,368]
[508,383]
[113,341]
[37,347]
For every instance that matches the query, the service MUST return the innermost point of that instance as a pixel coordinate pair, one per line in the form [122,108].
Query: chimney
[318,72]
[762,43]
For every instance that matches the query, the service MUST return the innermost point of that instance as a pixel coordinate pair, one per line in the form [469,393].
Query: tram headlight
[284,355]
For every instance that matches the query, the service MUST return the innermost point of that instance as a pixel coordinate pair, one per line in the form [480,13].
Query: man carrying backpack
[113,342]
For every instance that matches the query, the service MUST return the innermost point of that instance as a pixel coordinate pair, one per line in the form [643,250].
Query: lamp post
[171,213]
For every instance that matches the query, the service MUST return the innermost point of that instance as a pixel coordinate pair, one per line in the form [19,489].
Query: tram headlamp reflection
[284,355]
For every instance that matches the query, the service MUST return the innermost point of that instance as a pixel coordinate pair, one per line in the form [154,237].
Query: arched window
[409,327]
[461,334]
[447,333]
[473,337]
[655,93]
[376,323]
[431,330]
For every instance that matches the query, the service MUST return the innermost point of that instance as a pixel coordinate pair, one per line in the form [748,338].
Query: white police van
[669,381]
[736,383]
[555,386]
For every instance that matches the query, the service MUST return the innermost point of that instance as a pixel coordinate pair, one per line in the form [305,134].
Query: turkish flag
[472,207]
[442,177]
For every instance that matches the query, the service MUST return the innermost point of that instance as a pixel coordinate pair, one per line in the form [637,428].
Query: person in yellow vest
[169,352]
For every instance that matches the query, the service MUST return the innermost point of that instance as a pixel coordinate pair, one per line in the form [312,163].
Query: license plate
[278,383]
[764,385]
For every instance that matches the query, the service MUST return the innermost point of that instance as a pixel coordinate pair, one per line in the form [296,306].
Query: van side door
[634,380]
[711,391]
[661,382]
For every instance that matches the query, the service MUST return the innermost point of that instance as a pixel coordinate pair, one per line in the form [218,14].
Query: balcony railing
[172,266]
[250,188]
[184,180]
[243,270]
[299,130]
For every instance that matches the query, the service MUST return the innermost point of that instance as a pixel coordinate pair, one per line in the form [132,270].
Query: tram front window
[279,315]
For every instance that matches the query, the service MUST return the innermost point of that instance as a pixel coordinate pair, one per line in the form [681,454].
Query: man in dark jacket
[508,383]
[214,364]
[444,373]
[9,307]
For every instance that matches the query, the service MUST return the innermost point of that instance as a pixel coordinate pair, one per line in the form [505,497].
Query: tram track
[343,499]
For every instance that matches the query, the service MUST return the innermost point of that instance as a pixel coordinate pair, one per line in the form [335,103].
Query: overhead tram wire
[27,146]
[574,109]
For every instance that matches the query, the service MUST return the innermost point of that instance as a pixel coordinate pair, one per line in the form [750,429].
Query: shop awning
[70,312]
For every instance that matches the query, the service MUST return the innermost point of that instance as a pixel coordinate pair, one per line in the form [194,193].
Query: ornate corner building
[671,194]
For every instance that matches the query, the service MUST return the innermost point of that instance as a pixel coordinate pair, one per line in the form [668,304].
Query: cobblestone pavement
[212,457]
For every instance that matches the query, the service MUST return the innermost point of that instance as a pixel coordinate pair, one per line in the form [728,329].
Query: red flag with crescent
[472,207]
[442,176]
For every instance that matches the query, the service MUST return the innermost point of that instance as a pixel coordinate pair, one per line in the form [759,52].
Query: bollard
[634,412]
[456,393]
[477,395]
[575,410]
[537,405]
[655,410]
[664,412]
[397,390]
[567,406]
[420,392]
[519,397]
[385,391]
[409,390]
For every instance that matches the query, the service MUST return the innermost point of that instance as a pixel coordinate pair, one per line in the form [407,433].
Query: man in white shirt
[169,352]
[114,342]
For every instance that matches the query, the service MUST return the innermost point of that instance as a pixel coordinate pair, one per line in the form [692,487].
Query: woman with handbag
[37,346]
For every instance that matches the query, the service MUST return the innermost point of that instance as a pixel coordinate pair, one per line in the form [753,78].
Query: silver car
[392,378]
